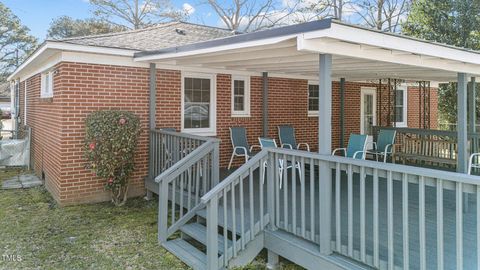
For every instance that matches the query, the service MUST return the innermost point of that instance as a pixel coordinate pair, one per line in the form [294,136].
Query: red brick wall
[414,108]
[59,131]
[44,117]
[288,99]
[79,89]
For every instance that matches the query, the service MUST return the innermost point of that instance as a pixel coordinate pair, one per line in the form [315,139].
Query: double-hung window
[313,95]
[240,96]
[401,106]
[198,104]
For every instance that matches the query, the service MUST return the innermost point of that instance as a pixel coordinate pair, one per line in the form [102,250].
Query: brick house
[65,80]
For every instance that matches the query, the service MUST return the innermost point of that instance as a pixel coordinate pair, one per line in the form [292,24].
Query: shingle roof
[153,38]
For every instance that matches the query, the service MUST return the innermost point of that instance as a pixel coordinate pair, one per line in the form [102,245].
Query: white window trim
[405,107]
[311,113]
[246,111]
[44,93]
[370,91]
[212,130]
[25,104]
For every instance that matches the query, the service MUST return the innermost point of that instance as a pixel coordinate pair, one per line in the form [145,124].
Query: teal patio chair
[356,148]
[271,143]
[384,145]
[241,148]
[286,134]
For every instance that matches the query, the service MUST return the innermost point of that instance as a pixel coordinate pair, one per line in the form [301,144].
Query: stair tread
[203,213]
[199,232]
[189,254]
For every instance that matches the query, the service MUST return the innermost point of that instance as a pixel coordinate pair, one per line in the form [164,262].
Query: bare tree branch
[135,14]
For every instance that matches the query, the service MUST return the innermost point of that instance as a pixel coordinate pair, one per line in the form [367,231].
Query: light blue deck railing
[383,215]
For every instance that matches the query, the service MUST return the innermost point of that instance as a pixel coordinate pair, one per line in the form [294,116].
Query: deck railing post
[212,233]
[325,204]
[215,163]
[462,123]
[325,148]
[162,211]
[271,190]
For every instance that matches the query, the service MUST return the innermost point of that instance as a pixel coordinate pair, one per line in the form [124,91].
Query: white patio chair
[271,143]
[473,163]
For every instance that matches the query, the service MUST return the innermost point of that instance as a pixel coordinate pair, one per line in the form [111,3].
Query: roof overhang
[358,54]
[50,49]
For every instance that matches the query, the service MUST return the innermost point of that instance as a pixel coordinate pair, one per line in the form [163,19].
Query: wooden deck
[449,213]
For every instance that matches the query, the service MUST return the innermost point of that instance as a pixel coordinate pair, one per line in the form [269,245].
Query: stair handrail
[172,174]
[234,176]
[211,201]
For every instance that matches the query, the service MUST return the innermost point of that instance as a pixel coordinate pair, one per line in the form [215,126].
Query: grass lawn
[97,236]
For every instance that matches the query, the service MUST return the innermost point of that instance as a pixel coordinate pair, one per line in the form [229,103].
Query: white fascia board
[355,50]
[62,46]
[104,59]
[234,46]
[35,55]
[393,42]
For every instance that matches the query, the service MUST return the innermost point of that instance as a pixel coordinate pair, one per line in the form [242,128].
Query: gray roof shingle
[153,38]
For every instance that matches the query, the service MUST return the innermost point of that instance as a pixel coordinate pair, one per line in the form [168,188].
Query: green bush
[110,142]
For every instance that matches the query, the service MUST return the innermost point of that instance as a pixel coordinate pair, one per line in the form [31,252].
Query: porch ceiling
[358,54]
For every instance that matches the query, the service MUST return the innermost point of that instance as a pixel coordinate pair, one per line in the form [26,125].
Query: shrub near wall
[110,142]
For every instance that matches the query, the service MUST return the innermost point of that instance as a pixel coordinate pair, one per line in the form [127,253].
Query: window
[313,94]
[198,104]
[240,96]
[46,89]
[401,107]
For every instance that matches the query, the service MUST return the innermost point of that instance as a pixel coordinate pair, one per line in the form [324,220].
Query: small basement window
[46,88]
[240,96]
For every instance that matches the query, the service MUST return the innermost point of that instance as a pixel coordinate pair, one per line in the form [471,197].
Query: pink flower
[92,146]
[110,181]
[122,121]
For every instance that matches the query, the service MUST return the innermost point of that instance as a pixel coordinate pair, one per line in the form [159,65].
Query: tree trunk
[379,23]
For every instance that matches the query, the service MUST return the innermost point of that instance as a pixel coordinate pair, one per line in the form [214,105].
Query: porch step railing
[169,147]
[193,169]
[238,205]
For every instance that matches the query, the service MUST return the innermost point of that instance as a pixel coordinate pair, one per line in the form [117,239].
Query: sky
[38,14]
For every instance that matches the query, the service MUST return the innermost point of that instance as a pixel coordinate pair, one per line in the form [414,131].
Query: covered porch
[330,211]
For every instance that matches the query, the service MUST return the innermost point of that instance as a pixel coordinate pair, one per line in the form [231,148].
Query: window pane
[399,114]
[313,104]
[238,104]
[197,103]
[399,97]
[313,90]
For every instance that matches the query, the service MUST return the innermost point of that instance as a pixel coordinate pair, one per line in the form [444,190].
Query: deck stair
[213,224]
[190,246]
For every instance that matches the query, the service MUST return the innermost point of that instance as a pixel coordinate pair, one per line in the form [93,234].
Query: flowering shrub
[110,142]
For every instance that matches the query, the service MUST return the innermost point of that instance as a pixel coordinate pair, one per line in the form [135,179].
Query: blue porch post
[325,148]
[152,108]
[265,104]
[462,123]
